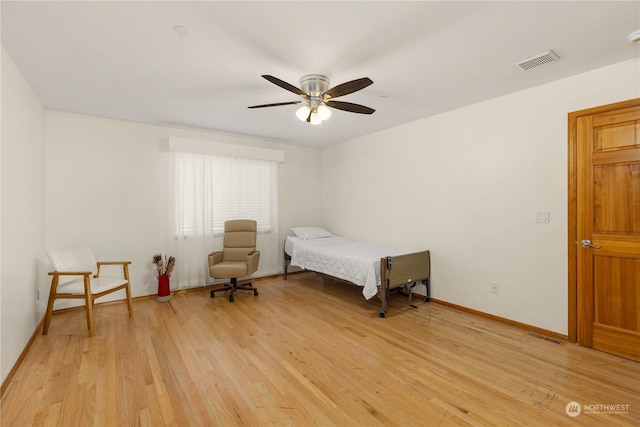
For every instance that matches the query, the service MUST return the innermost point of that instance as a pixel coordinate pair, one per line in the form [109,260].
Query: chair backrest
[239,239]
[73,259]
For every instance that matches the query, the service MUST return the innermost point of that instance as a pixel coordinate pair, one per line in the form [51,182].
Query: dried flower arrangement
[164,267]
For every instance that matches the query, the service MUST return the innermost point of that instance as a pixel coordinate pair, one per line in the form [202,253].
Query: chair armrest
[69,273]
[124,264]
[253,258]
[113,262]
[215,258]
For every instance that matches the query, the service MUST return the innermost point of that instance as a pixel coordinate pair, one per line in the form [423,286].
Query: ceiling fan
[317,97]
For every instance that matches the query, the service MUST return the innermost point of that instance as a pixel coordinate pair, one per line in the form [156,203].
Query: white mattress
[356,262]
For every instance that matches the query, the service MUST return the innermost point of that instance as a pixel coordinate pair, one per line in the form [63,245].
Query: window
[209,190]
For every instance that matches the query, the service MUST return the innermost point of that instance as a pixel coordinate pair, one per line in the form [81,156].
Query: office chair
[238,258]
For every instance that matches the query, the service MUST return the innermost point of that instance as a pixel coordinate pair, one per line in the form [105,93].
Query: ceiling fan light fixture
[315,118]
[324,112]
[303,112]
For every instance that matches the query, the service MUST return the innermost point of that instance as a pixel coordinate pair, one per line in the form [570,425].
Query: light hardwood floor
[309,351]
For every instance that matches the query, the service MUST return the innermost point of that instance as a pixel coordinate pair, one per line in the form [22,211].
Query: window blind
[210,190]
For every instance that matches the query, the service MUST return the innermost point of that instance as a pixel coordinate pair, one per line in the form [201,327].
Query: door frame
[572,238]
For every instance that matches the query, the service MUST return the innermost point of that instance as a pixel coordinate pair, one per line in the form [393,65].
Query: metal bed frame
[397,273]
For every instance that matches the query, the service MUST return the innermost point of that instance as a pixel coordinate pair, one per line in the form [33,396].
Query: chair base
[233,287]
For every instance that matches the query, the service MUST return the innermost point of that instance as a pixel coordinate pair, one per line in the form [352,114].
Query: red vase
[164,291]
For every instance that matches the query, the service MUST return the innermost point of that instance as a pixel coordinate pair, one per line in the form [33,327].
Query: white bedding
[356,262]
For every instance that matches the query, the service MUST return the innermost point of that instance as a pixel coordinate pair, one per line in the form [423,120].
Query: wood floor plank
[309,351]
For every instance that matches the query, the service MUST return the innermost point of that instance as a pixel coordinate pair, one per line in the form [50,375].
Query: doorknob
[586,243]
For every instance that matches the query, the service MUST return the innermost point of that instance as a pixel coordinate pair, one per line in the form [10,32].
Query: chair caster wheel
[213,294]
[255,292]
[231,298]
[382,313]
[426,299]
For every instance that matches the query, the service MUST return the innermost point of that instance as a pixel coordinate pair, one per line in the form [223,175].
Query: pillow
[306,233]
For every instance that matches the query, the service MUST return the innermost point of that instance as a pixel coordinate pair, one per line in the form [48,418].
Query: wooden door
[605,228]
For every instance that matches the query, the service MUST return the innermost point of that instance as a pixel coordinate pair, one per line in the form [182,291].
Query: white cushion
[73,259]
[307,233]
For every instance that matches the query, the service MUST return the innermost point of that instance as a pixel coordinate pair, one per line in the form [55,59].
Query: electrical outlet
[493,288]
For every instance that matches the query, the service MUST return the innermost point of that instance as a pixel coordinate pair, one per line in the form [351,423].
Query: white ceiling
[124,60]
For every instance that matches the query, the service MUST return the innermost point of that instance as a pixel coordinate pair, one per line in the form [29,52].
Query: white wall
[467,184]
[22,212]
[105,187]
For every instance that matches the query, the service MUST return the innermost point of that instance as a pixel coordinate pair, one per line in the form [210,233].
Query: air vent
[535,61]
[542,337]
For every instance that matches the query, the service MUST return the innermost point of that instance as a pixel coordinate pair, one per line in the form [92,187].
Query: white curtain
[204,192]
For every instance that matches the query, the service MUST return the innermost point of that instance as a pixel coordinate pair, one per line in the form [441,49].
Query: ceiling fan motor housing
[314,84]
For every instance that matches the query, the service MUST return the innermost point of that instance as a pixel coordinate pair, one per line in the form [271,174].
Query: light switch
[542,217]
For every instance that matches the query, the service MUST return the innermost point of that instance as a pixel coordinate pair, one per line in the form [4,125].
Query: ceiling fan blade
[284,85]
[277,104]
[347,88]
[348,106]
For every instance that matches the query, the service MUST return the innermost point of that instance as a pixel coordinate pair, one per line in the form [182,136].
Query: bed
[380,270]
